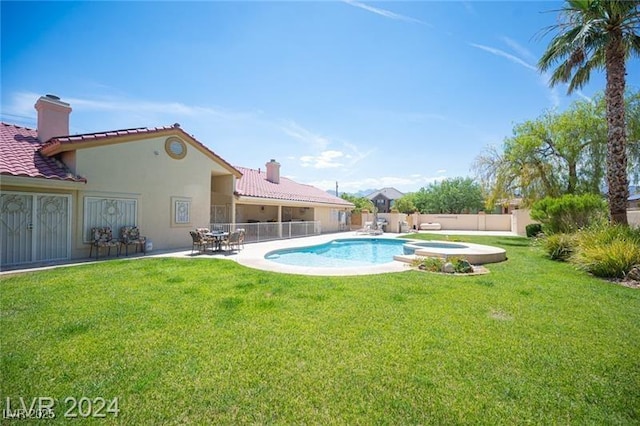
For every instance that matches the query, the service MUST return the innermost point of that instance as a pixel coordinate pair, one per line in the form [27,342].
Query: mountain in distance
[358,194]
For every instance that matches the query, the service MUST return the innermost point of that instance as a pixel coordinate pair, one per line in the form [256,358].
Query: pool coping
[252,256]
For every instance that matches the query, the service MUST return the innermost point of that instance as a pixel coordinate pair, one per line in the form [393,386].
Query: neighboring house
[54,188]
[508,206]
[384,198]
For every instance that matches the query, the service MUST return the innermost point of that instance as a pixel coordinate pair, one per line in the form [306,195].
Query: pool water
[435,244]
[341,253]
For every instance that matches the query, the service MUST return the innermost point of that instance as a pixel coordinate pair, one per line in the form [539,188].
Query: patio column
[232,219]
[280,221]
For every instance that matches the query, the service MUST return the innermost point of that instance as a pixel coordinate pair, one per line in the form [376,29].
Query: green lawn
[211,342]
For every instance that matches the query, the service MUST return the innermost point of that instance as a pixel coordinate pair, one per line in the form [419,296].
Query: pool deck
[252,256]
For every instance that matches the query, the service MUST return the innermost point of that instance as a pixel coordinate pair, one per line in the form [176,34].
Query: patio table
[218,237]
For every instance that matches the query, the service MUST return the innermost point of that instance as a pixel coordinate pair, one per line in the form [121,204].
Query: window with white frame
[112,212]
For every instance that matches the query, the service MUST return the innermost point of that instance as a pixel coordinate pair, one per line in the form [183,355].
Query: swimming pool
[341,253]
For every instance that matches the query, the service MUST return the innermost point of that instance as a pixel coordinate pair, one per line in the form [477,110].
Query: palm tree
[597,34]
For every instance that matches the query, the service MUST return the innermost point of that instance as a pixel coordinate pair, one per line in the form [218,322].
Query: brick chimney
[53,117]
[273,171]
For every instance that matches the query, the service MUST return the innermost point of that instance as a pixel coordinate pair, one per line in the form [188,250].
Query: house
[384,198]
[265,196]
[55,187]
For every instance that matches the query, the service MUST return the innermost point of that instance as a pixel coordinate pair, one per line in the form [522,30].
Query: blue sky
[369,94]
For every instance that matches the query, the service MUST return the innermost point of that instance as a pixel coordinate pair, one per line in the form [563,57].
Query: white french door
[34,227]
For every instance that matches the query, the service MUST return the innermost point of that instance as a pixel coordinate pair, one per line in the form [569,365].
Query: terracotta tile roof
[255,184]
[20,156]
[66,143]
[87,137]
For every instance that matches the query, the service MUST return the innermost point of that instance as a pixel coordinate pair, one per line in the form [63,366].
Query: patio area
[252,255]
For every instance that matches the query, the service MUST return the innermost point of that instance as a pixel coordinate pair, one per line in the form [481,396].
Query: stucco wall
[328,216]
[633,216]
[248,212]
[144,171]
[469,222]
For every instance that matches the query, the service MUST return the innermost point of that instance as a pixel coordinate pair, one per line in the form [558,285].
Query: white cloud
[383,12]
[326,152]
[296,131]
[22,103]
[411,183]
[326,160]
[554,97]
[468,7]
[519,49]
[585,97]
[504,54]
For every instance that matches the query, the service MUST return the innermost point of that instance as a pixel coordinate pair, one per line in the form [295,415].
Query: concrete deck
[252,256]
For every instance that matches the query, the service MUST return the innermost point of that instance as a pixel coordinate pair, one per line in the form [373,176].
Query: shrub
[436,264]
[432,264]
[559,246]
[533,229]
[569,213]
[608,251]
[460,265]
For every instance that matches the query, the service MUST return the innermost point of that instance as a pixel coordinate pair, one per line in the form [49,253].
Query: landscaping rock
[448,268]
[465,267]
[634,273]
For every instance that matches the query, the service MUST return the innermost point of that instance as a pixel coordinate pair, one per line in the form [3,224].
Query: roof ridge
[15,125]
[111,131]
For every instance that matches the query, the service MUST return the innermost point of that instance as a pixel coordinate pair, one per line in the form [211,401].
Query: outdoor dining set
[204,239]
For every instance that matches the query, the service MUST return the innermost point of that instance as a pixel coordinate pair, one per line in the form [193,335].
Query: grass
[212,342]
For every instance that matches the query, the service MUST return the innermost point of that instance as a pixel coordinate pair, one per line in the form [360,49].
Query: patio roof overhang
[262,201]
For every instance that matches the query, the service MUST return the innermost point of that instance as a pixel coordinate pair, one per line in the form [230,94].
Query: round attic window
[175,148]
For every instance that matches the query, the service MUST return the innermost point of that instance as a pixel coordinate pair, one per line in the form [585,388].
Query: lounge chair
[365,229]
[369,229]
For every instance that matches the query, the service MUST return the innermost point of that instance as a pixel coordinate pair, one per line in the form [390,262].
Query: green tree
[549,156]
[406,204]
[555,154]
[360,203]
[451,196]
[599,34]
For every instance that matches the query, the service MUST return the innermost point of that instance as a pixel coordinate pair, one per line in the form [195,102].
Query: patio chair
[241,239]
[199,242]
[206,237]
[236,238]
[103,237]
[130,235]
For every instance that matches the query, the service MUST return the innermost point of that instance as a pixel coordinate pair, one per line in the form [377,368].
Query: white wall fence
[268,231]
[515,222]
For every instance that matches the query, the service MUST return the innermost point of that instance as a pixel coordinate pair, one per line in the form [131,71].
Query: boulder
[448,268]
[634,273]
[465,267]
